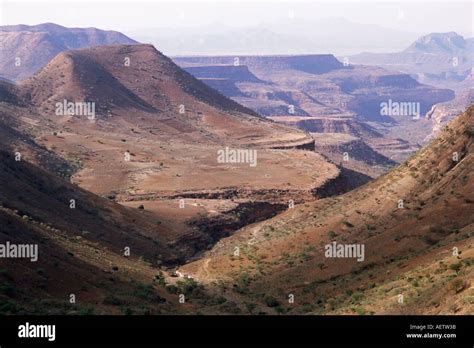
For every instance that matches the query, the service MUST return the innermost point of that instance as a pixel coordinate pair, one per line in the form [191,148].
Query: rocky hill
[26,49]
[153,141]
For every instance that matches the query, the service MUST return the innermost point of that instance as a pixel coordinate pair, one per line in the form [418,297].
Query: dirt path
[205,268]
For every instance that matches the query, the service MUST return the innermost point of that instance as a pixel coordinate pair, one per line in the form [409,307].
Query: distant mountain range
[25,48]
[287,36]
[440,59]
[313,85]
[442,43]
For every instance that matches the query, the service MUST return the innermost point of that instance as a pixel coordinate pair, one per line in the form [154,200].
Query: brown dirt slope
[407,220]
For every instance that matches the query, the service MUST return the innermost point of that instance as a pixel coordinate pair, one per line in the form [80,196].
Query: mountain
[311,63]
[154,88]
[138,153]
[314,84]
[441,43]
[135,177]
[404,230]
[439,59]
[286,35]
[87,75]
[317,93]
[35,45]
[80,248]
[154,139]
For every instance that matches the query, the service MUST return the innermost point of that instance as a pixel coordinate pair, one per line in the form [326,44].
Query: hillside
[352,153]
[80,249]
[36,45]
[154,141]
[98,258]
[143,173]
[442,113]
[408,221]
[450,43]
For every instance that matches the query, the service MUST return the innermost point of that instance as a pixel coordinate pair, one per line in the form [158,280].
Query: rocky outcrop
[312,63]
[236,73]
[343,125]
[209,230]
[442,113]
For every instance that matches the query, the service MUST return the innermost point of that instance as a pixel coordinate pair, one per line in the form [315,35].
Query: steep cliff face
[313,85]
[352,153]
[440,114]
[224,78]
[325,125]
[239,73]
[312,64]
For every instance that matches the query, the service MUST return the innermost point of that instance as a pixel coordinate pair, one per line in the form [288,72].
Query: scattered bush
[456,266]
[348,224]
[160,279]
[270,301]
[357,297]
[458,285]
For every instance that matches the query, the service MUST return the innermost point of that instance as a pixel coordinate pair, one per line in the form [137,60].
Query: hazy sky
[418,17]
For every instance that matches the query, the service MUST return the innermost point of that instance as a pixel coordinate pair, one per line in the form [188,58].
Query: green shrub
[270,301]
[456,266]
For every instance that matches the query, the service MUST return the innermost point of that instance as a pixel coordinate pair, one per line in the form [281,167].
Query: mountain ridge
[26,49]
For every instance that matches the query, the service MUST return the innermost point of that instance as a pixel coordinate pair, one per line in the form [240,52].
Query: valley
[140,156]
[287,251]
[333,98]
[225,179]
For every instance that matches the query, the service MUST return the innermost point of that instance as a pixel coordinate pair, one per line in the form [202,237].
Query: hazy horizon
[262,27]
[419,16]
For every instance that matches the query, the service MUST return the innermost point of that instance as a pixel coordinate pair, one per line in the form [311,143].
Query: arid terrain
[437,59]
[26,49]
[320,94]
[142,181]
[409,246]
